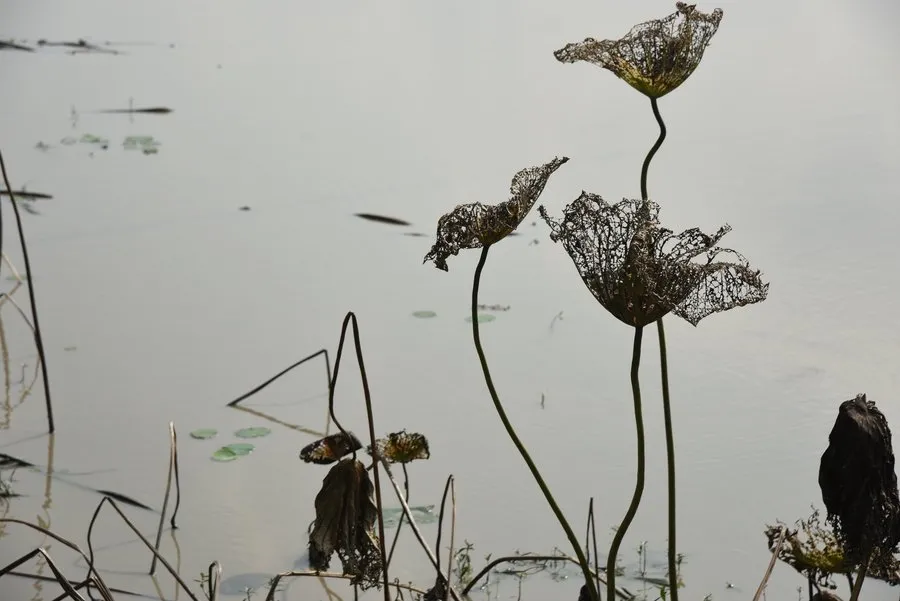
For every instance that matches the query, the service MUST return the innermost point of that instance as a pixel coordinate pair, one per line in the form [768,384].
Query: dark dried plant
[859,485]
[655,57]
[330,448]
[477,225]
[345,521]
[403,447]
[640,271]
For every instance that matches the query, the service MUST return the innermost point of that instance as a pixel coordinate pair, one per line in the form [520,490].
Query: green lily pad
[256,432]
[204,433]
[92,139]
[424,314]
[423,514]
[240,448]
[224,454]
[482,318]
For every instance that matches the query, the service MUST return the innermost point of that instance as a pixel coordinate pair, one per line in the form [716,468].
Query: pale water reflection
[176,301]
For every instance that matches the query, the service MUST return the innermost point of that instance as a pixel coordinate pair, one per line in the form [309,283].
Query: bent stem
[639,485]
[573,540]
[664,373]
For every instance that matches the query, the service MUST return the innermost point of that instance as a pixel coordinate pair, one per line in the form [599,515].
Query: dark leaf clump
[858,482]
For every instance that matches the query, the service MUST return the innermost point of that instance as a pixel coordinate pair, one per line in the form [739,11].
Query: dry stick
[177,485]
[639,480]
[440,524]
[452,534]
[134,529]
[331,575]
[511,432]
[400,521]
[412,524]
[860,576]
[77,585]
[162,514]
[38,339]
[621,593]
[214,575]
[101,586]
[775,550]
[350,318]
[591,534]
[281,373]
[62,580]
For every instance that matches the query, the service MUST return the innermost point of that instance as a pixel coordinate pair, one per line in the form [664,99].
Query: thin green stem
[570,534]
[670,458]
[639,485]
[664,372]
[662,136]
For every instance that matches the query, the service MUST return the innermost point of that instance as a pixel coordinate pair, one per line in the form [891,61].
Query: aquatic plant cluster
[637,270]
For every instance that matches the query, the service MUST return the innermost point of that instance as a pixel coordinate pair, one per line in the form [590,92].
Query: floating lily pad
[146,144]
[92,139]
[240,448]
[482,318]
[424,314]
[424,514]
[204,433]
[224,454]
[68,141]
[256,432]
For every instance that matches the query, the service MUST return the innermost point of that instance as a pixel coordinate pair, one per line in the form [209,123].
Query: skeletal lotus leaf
[640,271]
[477,225]
[656,56]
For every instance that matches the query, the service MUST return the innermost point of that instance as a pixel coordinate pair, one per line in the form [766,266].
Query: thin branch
[282,372]
[775,550]
[38,339]
[162,514]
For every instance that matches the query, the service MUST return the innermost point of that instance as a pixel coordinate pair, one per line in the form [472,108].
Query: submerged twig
[620,592]
[38,339]
[270,596]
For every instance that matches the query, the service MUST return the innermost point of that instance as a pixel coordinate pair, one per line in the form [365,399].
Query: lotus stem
[570,534]
[639,484]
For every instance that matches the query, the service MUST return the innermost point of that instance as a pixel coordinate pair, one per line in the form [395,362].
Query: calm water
[307,112]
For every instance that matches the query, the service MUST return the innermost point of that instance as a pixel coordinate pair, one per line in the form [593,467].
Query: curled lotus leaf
[403,447]
[477,225]
[345,517]
[331,448]
[655,57]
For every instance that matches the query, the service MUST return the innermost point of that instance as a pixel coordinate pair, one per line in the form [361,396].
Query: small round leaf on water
[424,314]
[240,448]
[255,432]
[204,433]
[224,454]
[482,318]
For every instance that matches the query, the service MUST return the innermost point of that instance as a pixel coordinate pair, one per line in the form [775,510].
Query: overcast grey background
[309,112]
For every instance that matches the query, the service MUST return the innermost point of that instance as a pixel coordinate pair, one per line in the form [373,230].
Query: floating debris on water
[493,307]
[382,219]
[154,110]
[482,318]
[11,45]
[424,314]
[415,234]
[24,195]
[146,144]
